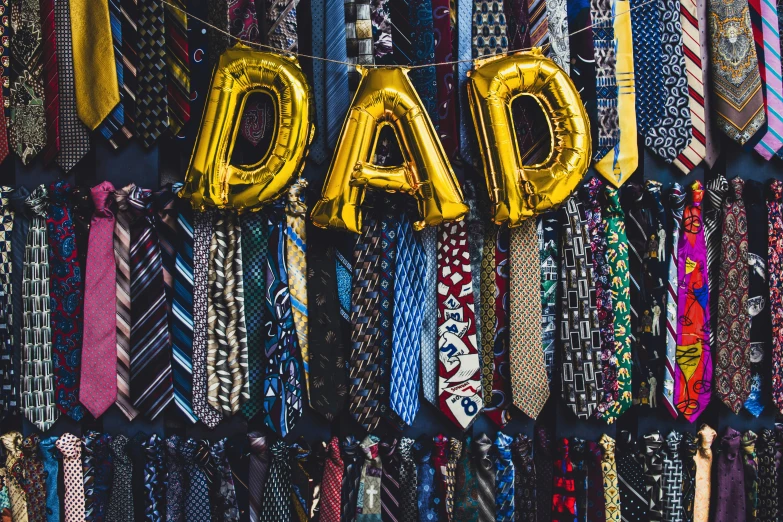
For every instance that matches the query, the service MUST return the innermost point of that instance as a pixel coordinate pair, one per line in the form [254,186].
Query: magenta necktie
[99,351]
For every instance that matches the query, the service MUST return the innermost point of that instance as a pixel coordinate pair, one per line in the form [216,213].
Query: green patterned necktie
[151,99]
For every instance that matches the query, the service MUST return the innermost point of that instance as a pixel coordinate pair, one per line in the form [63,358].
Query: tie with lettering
[693,372]
[703,458]
[751,473]
[676,204]
[739,108]
[151,97]
[630,479]
[296,261]
[768,476]
[774,269]
[504,478]
[99,352]
[71,448]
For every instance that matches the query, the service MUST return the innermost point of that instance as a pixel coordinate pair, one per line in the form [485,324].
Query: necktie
[71,448]
[455,451]
[14,475]
[81,210]
[563,487]
[489,29]
[751,473]
[296,260]
[769,66]
[50,82]
[151,97]
[154,478]
[331,482]
[198,467]
[121,499]
[524,479]
[368,505]
[28,119]
[177,480]
[623,158]
[226,501]
[653,474]
[129,31]
[277,502]
[97,89]
[97,470]
[485,286]
[774,267]
[150,363]
[122,242]
[485,477]
[116,118]
[349,489]
[65,284]
[768,477]
[609,475]
[34,478]
[549,236]
[281,26]
[464,50]
[440,462]
[138,458]
[596,502]
[676,203]
[672,478]
[688,453]
[579,461]
[177,65]
[164,202]
[426,488]
[732,370]
[49,455]
[301,482]
[630,479]
[37,377]
[283,379]
[407,328]
[5,71]
[716,191]
[218,32]
[693,372]
[703,458]
[5,500]
[730,501]
[580,343]
[543,460]
[429,325]
[459,367]
[258,469]
[647,58]
[504,479]
[99,366]
[408,480]
[9,389]
[739,110]
[446,95]
[390,481]
[530,388]
[466,488]
[605,77]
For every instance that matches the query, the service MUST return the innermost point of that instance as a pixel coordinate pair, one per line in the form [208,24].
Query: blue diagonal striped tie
[116,119]
[337,92]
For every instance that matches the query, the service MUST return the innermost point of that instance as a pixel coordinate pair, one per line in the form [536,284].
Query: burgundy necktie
[51,87]
[331,483]
[99,364]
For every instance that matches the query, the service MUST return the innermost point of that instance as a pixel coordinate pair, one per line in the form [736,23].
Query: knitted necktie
[198,467]
[739,107]
[693,372]
[676,203]
[99,353]
[653,474]
[768,501]
[703,458]
[368,504]
[296,261]
[390,481]
[609,474]
[331,482]
[485,475]
[121,499]
[672,478]
[151,96]
[459,367]
[257,472]
[349,489]
[504,479]
[751,473]
[408,480]
[71,448]
[731,497]
[715,195]
[774,268]
[563,487]
[9,389]
[524,478]
[150,361]
[630,479]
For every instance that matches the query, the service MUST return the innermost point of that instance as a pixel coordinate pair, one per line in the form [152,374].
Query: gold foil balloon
[385,96]
[211,180]
[520,191]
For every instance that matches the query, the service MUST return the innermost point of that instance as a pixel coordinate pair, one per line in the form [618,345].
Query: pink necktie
[71,448]
[99,350]
[773,138]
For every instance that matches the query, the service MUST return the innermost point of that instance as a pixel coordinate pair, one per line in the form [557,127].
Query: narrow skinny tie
[71,448]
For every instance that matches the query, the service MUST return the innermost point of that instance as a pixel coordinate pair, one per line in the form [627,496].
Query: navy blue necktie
[197,461]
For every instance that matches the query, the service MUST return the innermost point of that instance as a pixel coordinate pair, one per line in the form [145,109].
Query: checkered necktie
[8,385]
[152,113]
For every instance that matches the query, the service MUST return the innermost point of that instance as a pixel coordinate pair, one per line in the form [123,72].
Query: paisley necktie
[676,203]
[34,479]
[730,501]
[703,458]
[296,261]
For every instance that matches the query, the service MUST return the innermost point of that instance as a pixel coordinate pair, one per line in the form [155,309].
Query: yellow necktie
[609,472]
[703,458]
[95,71]
[295,248]
[13,448]
[618,165]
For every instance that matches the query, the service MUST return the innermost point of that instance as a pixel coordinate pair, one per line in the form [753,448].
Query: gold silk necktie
[703,458]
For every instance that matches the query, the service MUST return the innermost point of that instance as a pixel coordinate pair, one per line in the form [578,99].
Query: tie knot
[140,200]
[152,446]
[18,199]
[70,446]
[350,448]
[776,190]
[612,200]
[102,197]
[13,443]
[118,445]
[697,193]
[30,445]
[673,440]
[653,187]
[60,192]
[730,443]
[503,444]
[608,444]
[455,448]
[676,199]
[122,195]
[279,451]
[749,442]
[706,436]
[406,448]
[370,447]
[737,184]
[37,201]
[441,447]
[482,447]
[257,443]
[296,205]
[333,450]
[652,443]
[300,450]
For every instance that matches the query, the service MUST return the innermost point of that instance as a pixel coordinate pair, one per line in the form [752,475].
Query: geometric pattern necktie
[676,204]
[768,476]
[116,119]
[487,297]
[151,99]
[653,472]
[730,499]
[630,478]
[715,194]
[693,372]
[296,262]
[66,292]
[609,474]
[121,499]
[772,141]
[605,77]
[504,477]
[732,369]
[198,466]
[37,378]
[459,369]
[330,484]
[688,452]
[736,82]
[9,404]
[672,478]
[563,485]
[408,481]
[429,325]
[580,345]
[177,64]
[71,448]
[751,473]
[703,458]
[49,58]
[122,242]
[647,59]
[277,498]
[775,271]
[529,385]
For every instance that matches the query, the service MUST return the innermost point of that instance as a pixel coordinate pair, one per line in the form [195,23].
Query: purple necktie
[99,349]
[730,503]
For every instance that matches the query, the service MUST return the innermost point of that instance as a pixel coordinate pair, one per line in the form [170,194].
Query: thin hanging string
[349,64]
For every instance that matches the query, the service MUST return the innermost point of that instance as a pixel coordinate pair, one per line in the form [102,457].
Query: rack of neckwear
[251,478]
[129,297]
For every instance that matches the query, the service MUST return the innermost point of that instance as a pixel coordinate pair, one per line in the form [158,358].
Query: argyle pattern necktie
[703,481]
[116,118]
[152,113]
[769,68]
[331,482]
[296,260]
[716,191]
[99,351]
[676,204]
[255,238]
[774,267]
[50,81]
[504,479]
[739,107]
[177,65]
[408,310]
[605,77]
[751,473]
[768,501]
[630,478]
[732,369]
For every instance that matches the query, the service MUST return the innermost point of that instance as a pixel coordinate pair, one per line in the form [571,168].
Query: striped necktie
[485,473]
[177,64]
[116,119]
[130,68]
[769,67]
[390,481]
[152,113]
[676,204]
[281,25]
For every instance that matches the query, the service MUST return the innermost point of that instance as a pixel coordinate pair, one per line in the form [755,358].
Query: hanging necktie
[116,118]
[283,375]
[466,487]
[301,482]
[543,459]
[563,487]
[459,368]
[165,202]
[529,385]
[368,505]
[237,450]
[150,361]
[579,461]
[349,489]
[446,123]
[524,479]
[330,484]
[126,14]
[485,477]
[605,77]
[97,469]
[427,500]
[151,97]
[71,448]
[647,58]
[281,25]
[582,57]
[693,372]
[580,345]
[27,132]
[33,479]
[775,269]
[12,441]
[121,499]
[390,481]
[630,478]
[177,480]
[548,231]
[557,21]
[732,370]
[769,68]
[37,375]
[99,350]
[768,501]
[739,109]
[676,204]
[464,51]
[218,30]
[51,466]
[408,480]
[82,208]
[455,451]
[138,458]
[688,453]
[653,474]
[50,81]
[407,327]
[504,478]
[440,488]
[716,191]
[622,159]
[296,262]
[703,488]
[751,469]
[122,243]
[731,498]
[65,284]
[489,29]
[177,64]
[759,311]
[226,501]
[154,478]
[5,69]
[596,502]
[671,506]
[258,470]
[611,489]
[9,389]
[198,466]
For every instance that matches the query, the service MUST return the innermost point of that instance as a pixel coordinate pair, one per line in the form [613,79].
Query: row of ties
[250,478]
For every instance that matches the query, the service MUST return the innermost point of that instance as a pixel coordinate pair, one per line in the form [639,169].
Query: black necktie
[524,479]
[352,459]
[688,451]
[135,451]
[301,485]
[276,505]
[653,474]
[390,481]
[768,476]
[543,459]
[630,472]
[238,453]
[121,504]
